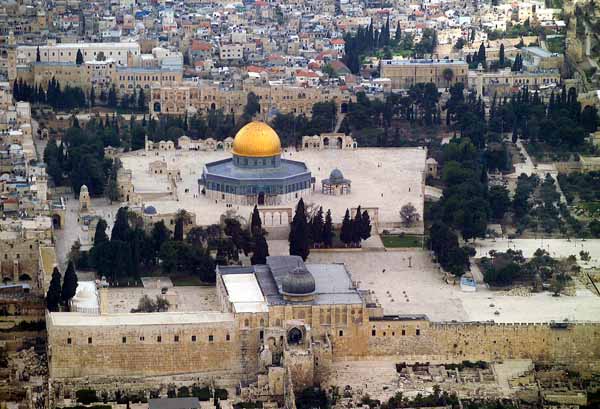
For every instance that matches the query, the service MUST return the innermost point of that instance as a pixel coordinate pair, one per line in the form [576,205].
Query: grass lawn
[404,241]
[180,281]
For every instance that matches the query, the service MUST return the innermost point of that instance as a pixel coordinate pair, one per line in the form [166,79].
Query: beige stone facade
[507,82]
[406,73]
[203,97]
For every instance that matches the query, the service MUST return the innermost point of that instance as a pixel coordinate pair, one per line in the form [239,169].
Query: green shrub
[203,394]
[86,396]
[221,394]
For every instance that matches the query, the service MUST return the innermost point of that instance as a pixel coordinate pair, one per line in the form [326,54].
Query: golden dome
[256,139]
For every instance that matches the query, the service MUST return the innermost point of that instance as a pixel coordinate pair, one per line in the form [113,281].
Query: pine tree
[328,230]
[299,237]
[79,58]
[346,232]
[398,35]
[501,57]
[38,57]
[481,54]
[54,291]
[69,284]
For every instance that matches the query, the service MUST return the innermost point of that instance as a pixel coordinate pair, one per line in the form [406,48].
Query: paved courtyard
[183,299]
[420,290]
[383,178]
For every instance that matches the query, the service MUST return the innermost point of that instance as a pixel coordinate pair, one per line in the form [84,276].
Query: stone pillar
[103,295]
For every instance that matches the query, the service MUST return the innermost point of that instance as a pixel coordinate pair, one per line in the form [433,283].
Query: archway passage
[294,336]
[157,107]
[326,142]
[261,198]
[56,221]
[339,143]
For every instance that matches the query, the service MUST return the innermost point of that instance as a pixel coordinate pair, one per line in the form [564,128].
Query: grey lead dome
[298,282]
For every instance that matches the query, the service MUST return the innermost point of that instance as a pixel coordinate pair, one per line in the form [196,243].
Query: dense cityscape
[308,204]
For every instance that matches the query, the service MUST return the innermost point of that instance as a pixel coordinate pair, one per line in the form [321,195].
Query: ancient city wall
[143,350]
[577,344]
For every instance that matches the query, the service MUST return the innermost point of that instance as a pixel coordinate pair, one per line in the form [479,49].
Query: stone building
[507,82]
[328,141]
[297,317]
[191,98]
[406,73]
[336,184]
[256,173]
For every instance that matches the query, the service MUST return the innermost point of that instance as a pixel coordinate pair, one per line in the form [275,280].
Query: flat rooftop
[73,319]
[245,293]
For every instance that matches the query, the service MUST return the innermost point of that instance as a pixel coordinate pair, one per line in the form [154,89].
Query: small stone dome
[150,210]
[83,189]
[298,282]
[336,176]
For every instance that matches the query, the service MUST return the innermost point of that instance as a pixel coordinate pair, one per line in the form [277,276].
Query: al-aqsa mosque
[256,174]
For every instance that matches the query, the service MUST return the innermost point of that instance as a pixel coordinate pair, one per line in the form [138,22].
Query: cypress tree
[141,101]
[54,291]
[38,57]
[120,230]
[79,58]
[255,223]
[357,227]
[328,230]
[261,250]
[346,232]
[317,225]
[299,237]
[501,61]
[398,35]
[69,284]
[178,232]
[481,54]
[365,225]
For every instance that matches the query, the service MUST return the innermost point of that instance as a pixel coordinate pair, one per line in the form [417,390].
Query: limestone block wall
[143,350]
[577,344]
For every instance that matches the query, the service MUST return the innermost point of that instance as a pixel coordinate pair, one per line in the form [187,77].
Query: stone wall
[143,350]
[577,344]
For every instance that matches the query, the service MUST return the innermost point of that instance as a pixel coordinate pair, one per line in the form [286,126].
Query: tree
[252,105]
[79,58]
[316,227]
[499,201]
[159,235]
[328,230]
[38,57]
[365,225]
[256,222]
[299,237]
[70,283]
[409,215]
[398,34]
[501,58]
[261,250]
[120,230]
[357,227]
[182,219]
[346,232]
[92,97]
[54,291]
[481,55]
[112,97]
[141,101]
